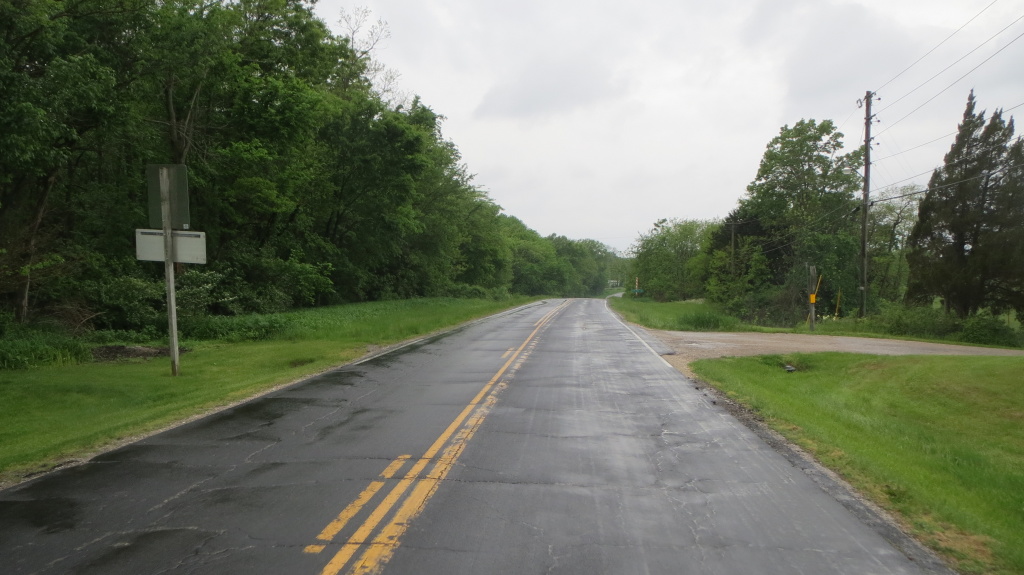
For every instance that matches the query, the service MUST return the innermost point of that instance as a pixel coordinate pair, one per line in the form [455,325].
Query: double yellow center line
[409,496]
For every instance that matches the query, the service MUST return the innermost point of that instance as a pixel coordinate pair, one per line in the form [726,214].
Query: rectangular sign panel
[189,247]
[175,177]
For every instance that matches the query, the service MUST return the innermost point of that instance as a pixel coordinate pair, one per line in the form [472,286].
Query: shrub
[928,322]
[24,347]
[706,320]
[987,330]
[127,302]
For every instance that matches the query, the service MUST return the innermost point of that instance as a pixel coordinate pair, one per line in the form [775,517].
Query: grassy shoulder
[54,414]
[895,322]
[680,316]
[937,440]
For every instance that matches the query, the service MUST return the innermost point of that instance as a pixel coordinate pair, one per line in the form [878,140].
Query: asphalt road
[550,439]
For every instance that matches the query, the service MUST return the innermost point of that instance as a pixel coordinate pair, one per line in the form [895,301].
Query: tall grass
[23,348]
[925,323]
[676,316]
[937,440]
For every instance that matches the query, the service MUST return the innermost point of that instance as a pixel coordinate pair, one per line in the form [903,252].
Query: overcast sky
[595,119]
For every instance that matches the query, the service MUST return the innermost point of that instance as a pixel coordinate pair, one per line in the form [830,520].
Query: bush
[6,319]
[987,330]
[128,302]
[124,337]
[706,320]
[25,347]
[927,322]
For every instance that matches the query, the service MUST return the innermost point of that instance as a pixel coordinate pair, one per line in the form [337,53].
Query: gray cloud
[594,119]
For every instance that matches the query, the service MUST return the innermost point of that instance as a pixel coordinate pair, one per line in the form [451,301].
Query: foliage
[677,316]
[891,219]
[249,327]
[928,323]
[313,187]
[23,347]
[669,259]
[936,439]
[984,329]
[968,243]
[796,212]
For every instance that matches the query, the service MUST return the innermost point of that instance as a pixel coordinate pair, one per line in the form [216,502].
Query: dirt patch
[689,346]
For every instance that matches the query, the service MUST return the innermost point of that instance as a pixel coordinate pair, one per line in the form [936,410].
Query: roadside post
[812,291]
[168,211]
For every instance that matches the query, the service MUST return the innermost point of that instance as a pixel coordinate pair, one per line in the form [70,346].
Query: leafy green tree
[668,259]
[967,237]
[891,219]
[797,211]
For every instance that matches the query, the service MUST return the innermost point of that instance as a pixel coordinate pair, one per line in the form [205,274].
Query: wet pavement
[546,440]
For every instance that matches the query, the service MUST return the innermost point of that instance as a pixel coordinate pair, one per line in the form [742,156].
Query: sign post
[168,200]
[172,304]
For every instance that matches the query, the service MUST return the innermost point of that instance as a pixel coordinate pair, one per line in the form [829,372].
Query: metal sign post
[172,305]
[168,208]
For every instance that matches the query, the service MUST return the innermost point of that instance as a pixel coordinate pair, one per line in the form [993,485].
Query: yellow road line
[362,534]
[460,431]
[387,541]
[356,506]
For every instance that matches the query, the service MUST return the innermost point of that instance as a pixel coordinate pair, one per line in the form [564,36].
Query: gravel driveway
[690,346]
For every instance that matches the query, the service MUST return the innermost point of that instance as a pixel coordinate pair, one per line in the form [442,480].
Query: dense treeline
[960,242]
[311,188]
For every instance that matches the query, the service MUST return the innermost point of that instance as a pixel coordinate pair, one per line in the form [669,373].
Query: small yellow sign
[814,298]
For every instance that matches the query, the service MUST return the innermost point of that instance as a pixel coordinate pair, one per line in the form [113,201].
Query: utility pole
[812,293]
[864,207]
[732,256]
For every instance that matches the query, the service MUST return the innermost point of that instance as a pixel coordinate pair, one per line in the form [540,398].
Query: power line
[1010,43]
[940,72]
[936,46]
[1010,109]
[943,186]
[916,147]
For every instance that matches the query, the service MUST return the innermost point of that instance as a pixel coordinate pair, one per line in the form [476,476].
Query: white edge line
[635,334]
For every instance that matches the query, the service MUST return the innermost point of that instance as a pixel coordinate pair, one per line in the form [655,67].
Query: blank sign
[189,247]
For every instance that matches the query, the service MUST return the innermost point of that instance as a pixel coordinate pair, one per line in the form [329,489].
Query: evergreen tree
[967,237]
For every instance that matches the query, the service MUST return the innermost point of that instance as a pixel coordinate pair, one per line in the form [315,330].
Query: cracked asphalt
[550,439]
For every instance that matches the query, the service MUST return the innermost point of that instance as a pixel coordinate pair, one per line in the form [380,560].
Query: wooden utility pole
[732,255]
[812,293]
[865,204]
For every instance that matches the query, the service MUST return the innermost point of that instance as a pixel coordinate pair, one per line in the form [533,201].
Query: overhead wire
[912,112]
[943,186]
[937,46]
[940,72]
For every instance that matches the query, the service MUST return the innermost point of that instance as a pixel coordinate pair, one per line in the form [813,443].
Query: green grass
[677,315]
[938,440]
[52,414]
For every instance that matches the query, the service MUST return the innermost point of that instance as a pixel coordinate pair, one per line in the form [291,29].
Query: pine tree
[969,219]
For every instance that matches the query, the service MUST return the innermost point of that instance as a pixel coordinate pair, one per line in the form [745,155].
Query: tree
[967,239]
[891,220]
[666,259]
[797,211]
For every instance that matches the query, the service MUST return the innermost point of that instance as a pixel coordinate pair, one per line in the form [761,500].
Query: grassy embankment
[938,440]
[678,315]
[52,414]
